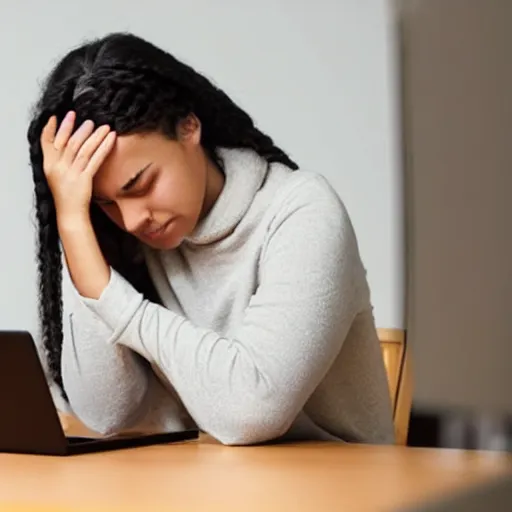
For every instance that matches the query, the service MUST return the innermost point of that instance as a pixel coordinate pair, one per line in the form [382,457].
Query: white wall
[318,76]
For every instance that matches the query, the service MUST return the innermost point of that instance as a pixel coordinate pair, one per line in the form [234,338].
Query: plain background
[319,77]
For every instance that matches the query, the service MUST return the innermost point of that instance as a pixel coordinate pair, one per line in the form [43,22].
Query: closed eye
[144,189]
[140,186]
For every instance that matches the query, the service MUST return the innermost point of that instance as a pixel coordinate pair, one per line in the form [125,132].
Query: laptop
[29,421]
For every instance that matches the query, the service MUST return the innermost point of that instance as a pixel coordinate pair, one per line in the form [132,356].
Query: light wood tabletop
[205,476]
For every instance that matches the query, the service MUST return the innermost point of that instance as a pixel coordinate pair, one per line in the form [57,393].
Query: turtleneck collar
[245,172]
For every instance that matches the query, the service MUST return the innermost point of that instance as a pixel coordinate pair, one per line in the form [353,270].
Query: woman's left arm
[250,386]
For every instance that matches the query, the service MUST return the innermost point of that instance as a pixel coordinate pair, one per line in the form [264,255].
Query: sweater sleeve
[106,385]
[248,387]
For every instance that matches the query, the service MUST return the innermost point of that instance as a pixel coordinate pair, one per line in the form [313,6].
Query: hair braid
[49,266]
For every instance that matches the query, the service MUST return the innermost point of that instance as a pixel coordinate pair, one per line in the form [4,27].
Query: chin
[163,245]
[168,246]
[167,243]
[177,232]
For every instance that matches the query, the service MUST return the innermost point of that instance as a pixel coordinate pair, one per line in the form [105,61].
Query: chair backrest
[397,360]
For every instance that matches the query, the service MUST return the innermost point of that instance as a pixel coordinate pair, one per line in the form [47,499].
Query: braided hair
[134,87]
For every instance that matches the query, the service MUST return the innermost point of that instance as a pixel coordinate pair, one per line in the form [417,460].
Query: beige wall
[457,76]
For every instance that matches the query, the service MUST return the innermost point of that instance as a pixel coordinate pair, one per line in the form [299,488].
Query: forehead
[129,155]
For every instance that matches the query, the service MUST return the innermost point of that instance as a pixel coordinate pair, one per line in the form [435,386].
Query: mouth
[155,233]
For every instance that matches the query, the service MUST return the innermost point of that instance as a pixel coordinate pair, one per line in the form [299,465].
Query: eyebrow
[129,184]
[132,181]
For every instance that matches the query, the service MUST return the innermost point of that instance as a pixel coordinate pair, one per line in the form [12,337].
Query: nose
[133,216]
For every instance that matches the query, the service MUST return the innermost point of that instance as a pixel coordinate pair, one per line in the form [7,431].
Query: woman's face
[157,188]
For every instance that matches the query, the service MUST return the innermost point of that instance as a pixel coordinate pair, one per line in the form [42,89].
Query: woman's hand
[71,161]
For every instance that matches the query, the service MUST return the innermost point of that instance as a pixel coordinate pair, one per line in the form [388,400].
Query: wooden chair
[397,360]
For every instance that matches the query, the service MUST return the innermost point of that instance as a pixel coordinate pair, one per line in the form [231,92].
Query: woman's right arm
[107,386]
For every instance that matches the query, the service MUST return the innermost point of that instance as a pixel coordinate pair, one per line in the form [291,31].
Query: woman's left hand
[70,162]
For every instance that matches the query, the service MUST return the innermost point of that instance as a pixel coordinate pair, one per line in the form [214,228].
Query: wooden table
[205,476]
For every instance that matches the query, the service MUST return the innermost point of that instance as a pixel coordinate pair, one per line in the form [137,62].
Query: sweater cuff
[117,304]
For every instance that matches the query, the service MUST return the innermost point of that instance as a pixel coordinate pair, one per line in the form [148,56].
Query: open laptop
[29,422]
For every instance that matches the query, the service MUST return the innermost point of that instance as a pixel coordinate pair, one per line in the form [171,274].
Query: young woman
[212,283]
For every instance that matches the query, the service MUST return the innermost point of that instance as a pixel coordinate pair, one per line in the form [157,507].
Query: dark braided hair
[135,87]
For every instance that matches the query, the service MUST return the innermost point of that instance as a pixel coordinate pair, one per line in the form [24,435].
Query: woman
[213,284]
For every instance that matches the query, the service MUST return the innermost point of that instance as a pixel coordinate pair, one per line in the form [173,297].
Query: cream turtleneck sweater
[266,329]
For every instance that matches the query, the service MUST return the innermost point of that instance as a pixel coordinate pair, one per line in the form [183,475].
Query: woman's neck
[214,183]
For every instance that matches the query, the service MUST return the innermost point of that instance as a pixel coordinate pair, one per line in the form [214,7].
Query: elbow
[251,426]
[104,423]
[105,415]
[247,433]
[107,422]
[104,426]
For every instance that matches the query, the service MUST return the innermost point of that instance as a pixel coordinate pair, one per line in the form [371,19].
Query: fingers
[100,154]
[48,133]
[47,138]
[65,131]
[76,141]
[89,147]
[84,151]
[53,141]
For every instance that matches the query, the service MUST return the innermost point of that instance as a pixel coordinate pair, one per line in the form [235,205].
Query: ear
[189,130]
